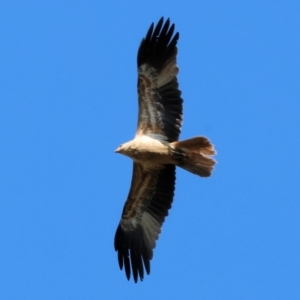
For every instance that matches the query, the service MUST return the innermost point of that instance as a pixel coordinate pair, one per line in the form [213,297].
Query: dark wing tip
[158,45]
[133,252]
[135,244]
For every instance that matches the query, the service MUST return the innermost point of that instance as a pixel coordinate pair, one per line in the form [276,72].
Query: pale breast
[147,149]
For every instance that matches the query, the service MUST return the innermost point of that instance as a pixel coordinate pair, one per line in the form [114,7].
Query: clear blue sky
[68,98]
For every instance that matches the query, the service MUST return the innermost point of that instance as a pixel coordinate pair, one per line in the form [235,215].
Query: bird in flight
[156,151]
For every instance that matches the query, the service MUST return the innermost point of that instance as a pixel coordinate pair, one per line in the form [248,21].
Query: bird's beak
[117,150]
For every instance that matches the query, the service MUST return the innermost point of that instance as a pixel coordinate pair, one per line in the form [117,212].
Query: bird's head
[127,149]
[124,149]
[119,149]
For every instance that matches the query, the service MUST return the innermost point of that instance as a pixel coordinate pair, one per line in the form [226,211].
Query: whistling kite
[156,151]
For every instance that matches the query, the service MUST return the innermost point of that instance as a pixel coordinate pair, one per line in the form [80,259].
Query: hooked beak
[118,150]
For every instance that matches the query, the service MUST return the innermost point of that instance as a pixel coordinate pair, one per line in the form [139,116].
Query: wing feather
[150,197]
[160,102]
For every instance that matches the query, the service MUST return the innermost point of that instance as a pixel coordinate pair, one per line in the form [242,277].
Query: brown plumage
[156,151]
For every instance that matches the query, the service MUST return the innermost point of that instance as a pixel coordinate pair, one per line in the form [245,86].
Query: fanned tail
[194,155]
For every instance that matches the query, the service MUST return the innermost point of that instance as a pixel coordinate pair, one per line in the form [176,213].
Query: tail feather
[195,155]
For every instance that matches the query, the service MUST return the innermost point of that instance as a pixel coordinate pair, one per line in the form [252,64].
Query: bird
[156,151]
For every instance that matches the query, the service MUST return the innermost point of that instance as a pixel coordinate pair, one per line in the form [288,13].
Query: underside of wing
[150,198]
[160,102]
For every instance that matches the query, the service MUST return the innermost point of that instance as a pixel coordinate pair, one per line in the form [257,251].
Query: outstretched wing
[150,197]
[160,104]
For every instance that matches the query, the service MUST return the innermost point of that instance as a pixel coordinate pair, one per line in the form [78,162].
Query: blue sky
[68,98]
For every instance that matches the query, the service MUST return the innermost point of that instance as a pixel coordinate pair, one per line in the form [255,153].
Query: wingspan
[160,104]
[150,197]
